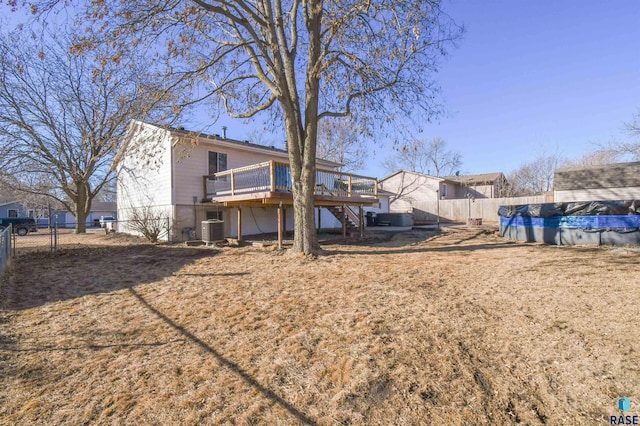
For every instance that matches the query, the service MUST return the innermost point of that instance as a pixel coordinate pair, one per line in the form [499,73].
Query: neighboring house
[406,188]
[101,208]
[17,209]
[454,198]
[620,181]
[62,218]
[409,187]
[98,208]
[190,177]
[487,185]
[12,209]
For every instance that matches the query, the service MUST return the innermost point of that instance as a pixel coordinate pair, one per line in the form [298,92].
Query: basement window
[214,215]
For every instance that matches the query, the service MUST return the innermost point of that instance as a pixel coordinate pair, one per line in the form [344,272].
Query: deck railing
[273,176]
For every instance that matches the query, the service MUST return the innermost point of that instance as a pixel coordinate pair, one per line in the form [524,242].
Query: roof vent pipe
[224,132]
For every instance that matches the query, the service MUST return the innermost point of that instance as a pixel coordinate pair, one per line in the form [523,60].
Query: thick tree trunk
[82,207]
[305,238]
[81,221]
[303,176]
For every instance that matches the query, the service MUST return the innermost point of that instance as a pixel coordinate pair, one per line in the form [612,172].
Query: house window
[12,213]
[217,162]
[214,215]
[444,191]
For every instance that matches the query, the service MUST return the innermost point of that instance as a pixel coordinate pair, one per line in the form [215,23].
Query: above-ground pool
[615,223]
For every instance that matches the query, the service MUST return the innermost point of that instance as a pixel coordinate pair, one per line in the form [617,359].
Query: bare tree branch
[427,157]
[63,117]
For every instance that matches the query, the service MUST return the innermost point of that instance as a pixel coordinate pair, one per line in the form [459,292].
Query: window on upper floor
[12,213]
[217,162]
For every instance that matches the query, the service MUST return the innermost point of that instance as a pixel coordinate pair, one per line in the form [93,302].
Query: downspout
[173,195]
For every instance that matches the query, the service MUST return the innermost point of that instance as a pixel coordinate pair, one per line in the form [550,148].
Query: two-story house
[195,176]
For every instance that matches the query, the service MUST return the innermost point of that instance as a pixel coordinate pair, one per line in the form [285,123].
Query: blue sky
[531,76]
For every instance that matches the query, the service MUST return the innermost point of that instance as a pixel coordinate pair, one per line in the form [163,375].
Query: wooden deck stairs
[352,221]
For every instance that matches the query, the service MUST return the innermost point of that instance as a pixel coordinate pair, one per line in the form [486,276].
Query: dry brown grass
[460,328]
[43,240]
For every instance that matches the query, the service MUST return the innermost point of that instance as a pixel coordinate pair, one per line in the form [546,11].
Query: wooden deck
[269,183]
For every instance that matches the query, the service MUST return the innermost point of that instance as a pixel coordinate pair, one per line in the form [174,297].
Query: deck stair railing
[351,221]
[276,177]
[346,216]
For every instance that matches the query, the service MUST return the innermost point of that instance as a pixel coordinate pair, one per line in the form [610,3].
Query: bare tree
[340,141]
[422,156]
[633,127]
[304,60]
[260,137]
[108,193]
[63,117]
[597,157]
[630,149]
[627,150]
[534,177]
[615,151]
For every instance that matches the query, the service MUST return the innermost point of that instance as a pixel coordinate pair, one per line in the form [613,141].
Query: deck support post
[239,223]
[280,224]
[344,221]
[361,224]
[319,219]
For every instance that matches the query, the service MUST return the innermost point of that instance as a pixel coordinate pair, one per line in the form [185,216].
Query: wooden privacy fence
[460,210]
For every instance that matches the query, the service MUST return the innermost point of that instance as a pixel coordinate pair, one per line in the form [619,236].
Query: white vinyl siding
[598,194]
[409,188]
[144,176]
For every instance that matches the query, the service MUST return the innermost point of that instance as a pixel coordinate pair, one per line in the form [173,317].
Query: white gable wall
[144,175]
[409,188]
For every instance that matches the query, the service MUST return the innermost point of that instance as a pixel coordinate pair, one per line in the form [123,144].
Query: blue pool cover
[598,222]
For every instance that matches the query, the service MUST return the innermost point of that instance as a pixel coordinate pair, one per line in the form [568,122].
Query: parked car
[106,219]
[21,225]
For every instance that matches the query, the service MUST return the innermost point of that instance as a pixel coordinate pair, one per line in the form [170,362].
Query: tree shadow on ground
[246,377]
[423,242]
[425,249]
[104,270]
[38,278]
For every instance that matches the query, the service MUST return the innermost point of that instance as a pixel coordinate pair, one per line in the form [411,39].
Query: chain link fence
[51,239]
[60,236]
[5,247]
